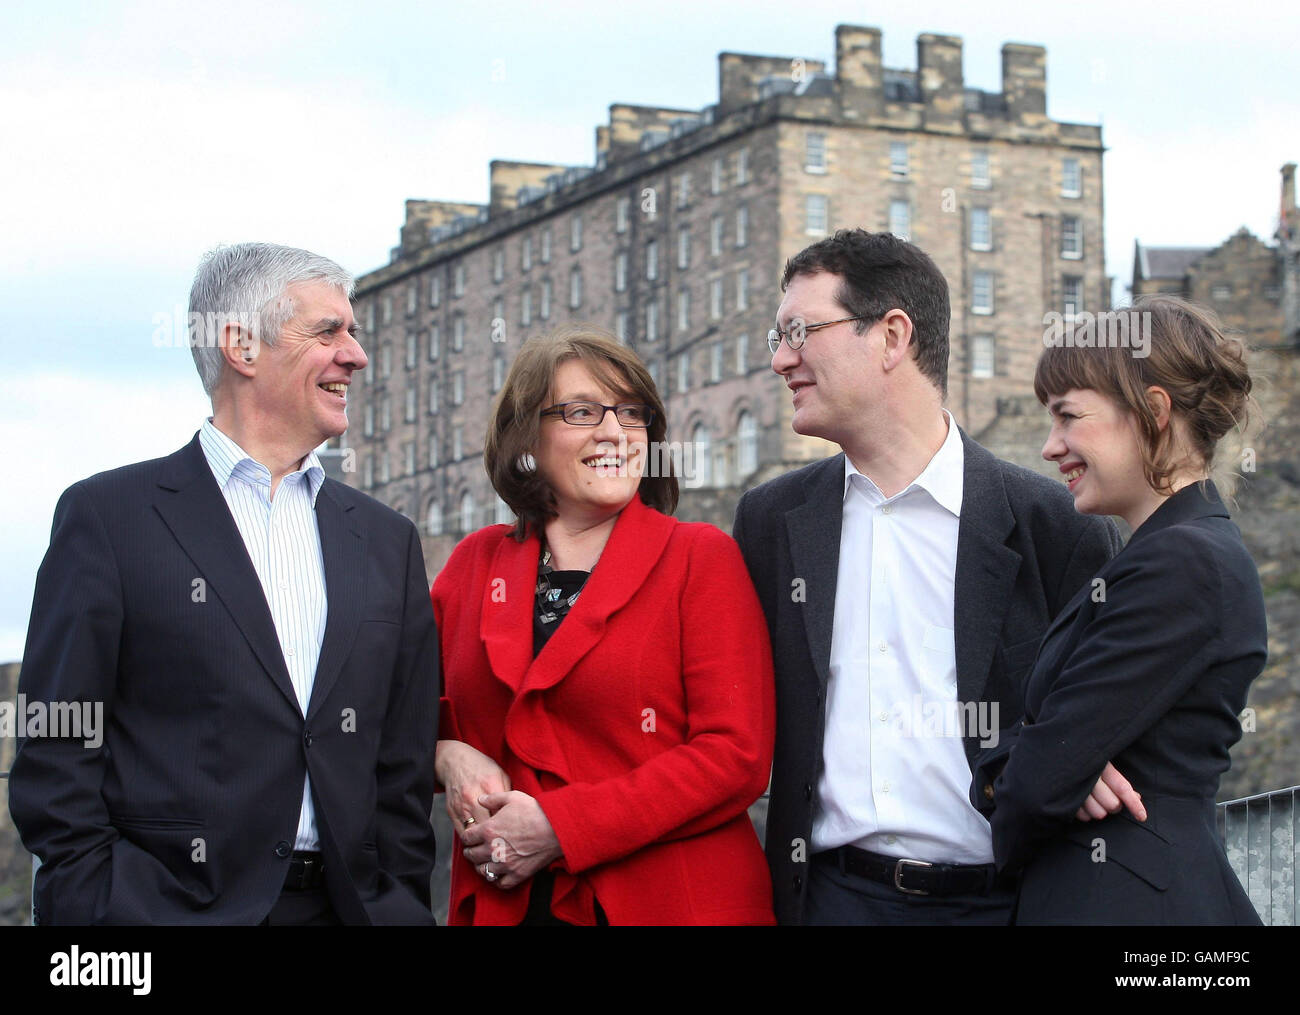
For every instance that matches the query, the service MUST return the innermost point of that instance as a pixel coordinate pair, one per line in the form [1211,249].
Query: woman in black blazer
[1148,666]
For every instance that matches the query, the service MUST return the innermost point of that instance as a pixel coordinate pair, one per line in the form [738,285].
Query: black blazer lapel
[814,531]
[986,569]
[193,508]
[343,548]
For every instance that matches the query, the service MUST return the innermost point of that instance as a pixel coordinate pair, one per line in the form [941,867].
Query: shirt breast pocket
[939,661]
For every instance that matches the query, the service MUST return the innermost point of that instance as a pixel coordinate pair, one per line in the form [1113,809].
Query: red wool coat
[644,728]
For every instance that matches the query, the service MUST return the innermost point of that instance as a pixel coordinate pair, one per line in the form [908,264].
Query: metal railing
[1261,835]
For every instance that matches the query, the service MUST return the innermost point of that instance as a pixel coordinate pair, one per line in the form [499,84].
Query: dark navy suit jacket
[188,811]
[1147,667]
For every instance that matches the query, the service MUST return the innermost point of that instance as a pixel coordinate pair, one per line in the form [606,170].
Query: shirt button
[884,717]
[288,651]
[884,786]
[284,584]
[888,509]
[883,647]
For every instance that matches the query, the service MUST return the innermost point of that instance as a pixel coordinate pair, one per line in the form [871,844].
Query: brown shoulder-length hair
[1203,370]
[515,424]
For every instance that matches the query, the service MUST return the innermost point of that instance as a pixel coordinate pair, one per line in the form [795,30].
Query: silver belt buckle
[898,877]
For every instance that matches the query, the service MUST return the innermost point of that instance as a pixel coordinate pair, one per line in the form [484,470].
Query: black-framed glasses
[794,338]
[592,413]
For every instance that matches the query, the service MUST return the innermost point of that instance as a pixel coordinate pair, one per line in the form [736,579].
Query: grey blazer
[1022,553]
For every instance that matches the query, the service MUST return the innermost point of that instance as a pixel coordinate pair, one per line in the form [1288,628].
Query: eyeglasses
[794,338]
[593,413]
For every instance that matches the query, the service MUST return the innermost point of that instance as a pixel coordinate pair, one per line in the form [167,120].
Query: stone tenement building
[1254,288]
[676,238]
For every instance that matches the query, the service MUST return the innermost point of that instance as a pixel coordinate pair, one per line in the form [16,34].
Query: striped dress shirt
[283,542]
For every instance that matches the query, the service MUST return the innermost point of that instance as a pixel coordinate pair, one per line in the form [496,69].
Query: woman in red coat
[609,709]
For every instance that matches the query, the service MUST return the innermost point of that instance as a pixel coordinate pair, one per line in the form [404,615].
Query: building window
[715,362]
[383,467]
[702,455]
[1071,296]
[435,341]
[575,233]
[1221,292]
[715,235]
[742,355]
[652,260]
[526,253]
[385,414]
[386,359]
[498,326]
[433,397]
[388,309]
[900,219]
[433,450]
[435,290]
[467,512]
[408,458]
[458,388]
[981,229]
[683,190]
[498,264]
[746,444]
[370,318]
[575,288]
[684,247]
[898,158]
[742,167]
[742,289]
[458,280]
[433,524]
[683,310]
[412,349]
[683,371]
[1071,237]
[981,356]
[979,169]
[742,226]
[814,152]
[654,373]
[620,271]
[546,245]
[458,333]
[412,298]
[503,516]
[620,326]
[652,321]
[981,297]
[457,442]
[368,473]
[715,177]
[1071,178]
[715,298]
[410,405]
[369,429]
[621,209]
[546,300]
[815,214]
[498,373]
[526,307]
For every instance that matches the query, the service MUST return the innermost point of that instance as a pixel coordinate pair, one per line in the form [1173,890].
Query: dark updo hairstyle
[1189,356]
[514,427]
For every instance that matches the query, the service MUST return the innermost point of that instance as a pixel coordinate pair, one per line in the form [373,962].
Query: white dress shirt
[283,543]
[896,780]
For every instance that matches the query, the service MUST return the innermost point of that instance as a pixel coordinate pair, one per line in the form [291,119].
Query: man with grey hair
[260,638]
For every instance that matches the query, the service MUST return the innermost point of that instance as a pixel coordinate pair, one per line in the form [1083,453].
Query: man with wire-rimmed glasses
[906,583]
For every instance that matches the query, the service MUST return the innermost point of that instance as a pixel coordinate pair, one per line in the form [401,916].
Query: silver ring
[489,873]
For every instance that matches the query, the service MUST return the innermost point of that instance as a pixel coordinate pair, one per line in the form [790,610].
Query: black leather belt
[306,871]
[915,877]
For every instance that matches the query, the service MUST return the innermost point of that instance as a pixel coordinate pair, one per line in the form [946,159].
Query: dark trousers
[309,907]
[837,899]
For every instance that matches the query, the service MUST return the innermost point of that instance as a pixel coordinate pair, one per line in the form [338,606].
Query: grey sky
[136,136]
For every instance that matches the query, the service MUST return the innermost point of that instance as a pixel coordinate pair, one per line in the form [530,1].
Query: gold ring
[469,821]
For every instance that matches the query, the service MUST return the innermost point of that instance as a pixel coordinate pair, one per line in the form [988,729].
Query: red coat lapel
[506,617]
